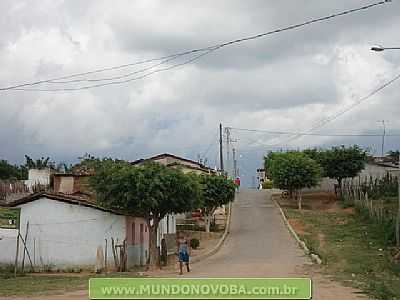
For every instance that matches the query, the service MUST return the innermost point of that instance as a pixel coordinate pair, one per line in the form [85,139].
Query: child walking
[183,252]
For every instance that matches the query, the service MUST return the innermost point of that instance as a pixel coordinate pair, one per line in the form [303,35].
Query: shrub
[191,227]
[268,184]
[194,243]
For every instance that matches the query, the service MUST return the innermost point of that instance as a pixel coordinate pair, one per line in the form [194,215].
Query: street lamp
[379,48]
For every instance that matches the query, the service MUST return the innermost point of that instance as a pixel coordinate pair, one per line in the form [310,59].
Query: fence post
[398,212]
[16,256]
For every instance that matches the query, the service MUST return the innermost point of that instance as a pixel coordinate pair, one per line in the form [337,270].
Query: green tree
[268,161]
[41,163]
[341,162]
[217,190]
[294,171]
[9,171]
[150,190]
[314,154]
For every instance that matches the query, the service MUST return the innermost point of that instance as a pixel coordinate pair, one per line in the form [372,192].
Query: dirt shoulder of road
[353,251]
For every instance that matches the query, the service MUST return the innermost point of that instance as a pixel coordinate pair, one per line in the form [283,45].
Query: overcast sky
[288,81]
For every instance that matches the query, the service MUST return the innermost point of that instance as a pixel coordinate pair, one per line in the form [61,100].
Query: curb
[220,242]
[314,257]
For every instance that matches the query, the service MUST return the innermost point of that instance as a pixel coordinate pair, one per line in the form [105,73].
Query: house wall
[167,227]
[70,184]
[66,185]
[36,176]
[63,235]
[370,170]
[137,238]
[376,171]
[325,185]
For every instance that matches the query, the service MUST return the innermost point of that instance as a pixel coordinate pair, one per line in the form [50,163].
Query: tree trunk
[299,199]
[207,221]
[340,186]
[153,251]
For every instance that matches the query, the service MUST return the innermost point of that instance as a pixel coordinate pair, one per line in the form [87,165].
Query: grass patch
[41,285]
[352,249]
[38,284]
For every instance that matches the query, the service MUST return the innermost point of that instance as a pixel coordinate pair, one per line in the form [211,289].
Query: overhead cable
[205,51]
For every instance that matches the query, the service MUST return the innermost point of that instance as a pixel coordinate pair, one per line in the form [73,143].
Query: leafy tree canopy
[12,172]
[153,190]
[217,191]
[293,170]
[341,162]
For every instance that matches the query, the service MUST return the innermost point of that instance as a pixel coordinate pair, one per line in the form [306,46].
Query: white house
[38,177]
[66,231]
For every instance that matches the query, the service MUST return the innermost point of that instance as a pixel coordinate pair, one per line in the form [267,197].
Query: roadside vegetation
[40,284]
[354,230]
[29,285]
[353,249]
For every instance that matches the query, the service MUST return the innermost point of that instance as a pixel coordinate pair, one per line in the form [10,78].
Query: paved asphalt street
[260,245]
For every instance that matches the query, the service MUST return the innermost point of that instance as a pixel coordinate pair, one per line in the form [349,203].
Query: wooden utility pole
[228,142]
[16,255]
[26,237]
[398,209]
[383,138]
[221,156]
[235,173]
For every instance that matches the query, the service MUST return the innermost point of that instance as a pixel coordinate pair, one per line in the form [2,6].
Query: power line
[343,111]
[121,81]
[310,134]
[206,50]
[213,142]
[101,70]
[116,77]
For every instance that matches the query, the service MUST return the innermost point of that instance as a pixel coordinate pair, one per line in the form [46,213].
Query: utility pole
[383,137]
[234,162]
[398,209]
[228,142]
[221,156]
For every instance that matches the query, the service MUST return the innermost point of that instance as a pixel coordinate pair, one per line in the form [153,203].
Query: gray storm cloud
[287,81]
